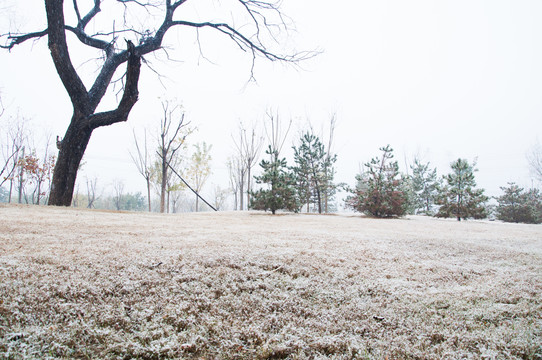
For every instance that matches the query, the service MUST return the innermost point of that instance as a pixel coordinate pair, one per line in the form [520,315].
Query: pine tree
[281,191]
[516,205]
[380,191]
[424,186]
[458,197]
[314,171]
[535,204]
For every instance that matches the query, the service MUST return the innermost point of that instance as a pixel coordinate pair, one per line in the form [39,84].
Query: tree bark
[69,158]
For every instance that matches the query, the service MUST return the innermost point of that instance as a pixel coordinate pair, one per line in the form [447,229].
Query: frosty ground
[110,285]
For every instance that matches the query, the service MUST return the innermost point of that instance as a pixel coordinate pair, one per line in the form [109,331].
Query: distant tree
[4,195]
[458,197]
[280,193]
[173,134]
[118,195]
[330,189]
[77,197]
[424,184]
[200,168]
[534,158]
[535,203]
[220,196]
[14,136]
[248,148]
[92,187]
[34,175]
[237,178]
[380,191]
[177,197]
[516,205]
[133,202]
[142,160]
[313,170]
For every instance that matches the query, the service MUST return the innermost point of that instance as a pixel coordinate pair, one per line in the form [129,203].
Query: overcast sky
[442,79]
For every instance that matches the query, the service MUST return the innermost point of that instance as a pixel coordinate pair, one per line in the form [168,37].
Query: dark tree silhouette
[264,17]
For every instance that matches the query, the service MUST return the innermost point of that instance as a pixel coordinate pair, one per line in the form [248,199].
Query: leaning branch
[129,98]
[180,177]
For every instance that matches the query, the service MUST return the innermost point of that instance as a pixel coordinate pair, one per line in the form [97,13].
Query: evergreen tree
[281,186]
[424,185]
[516,205]
[535,204]
[458,197]
[313,171]
[380,191]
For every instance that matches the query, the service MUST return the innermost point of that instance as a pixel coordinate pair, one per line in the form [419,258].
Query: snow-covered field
[107,285]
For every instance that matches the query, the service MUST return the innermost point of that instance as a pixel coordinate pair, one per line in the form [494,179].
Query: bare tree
[178,199]
[264,21]
[276,135]
[15,137]
[534,158]
[220,196]
[248,148]
[237,178]
[76,197]
[118,187]
[172,137]
[329,187]
[91,192]
[143,163]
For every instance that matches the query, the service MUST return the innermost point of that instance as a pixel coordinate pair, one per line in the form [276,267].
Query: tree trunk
[10,190]
[21,174]
[71,152]
[164,184]
[241,188]
[167,207]
[149,192]
[248,189]
[39,193]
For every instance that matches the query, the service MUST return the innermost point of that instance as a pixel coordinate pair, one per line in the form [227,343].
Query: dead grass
[90,284]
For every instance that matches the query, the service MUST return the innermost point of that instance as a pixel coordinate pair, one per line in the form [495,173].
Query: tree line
[382,191]
[167,164]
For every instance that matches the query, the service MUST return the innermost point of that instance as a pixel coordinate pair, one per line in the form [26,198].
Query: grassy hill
[108,285]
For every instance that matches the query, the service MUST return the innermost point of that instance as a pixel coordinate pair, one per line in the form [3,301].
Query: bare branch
[129,97]
[140,3]
[77,13]
[534,159]
[21,38]
[91,14]
[61,56]
[89,40]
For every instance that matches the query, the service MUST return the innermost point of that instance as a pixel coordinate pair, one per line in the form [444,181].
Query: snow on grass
[90,284]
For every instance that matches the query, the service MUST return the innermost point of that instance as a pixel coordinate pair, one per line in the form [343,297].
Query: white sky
[445,79]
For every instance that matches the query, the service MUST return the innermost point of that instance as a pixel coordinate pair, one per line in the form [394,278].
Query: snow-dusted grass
[89,284]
